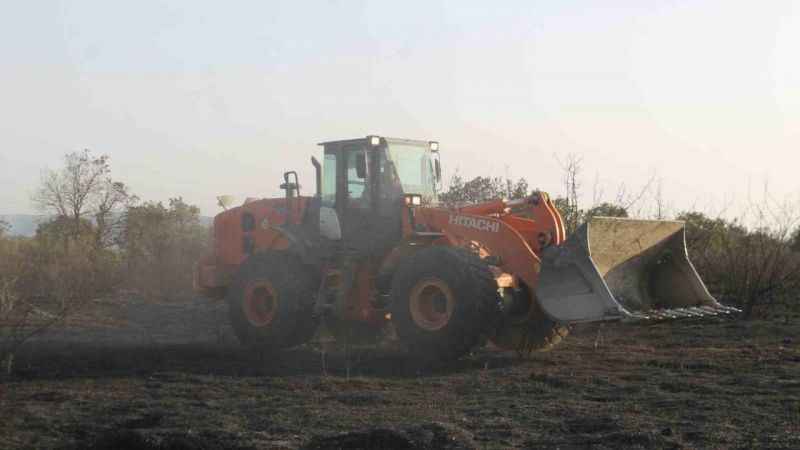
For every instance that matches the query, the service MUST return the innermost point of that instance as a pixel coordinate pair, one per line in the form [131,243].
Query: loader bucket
[623,269]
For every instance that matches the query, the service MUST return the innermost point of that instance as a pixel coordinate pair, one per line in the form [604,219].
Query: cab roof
[387,139]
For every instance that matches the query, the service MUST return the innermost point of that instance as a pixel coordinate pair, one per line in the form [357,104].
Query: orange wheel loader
[373,248]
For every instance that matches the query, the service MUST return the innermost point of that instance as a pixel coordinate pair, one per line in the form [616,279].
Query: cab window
[329,180]
[357,177]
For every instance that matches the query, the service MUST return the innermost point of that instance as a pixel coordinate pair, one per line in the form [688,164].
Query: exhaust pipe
[318,170]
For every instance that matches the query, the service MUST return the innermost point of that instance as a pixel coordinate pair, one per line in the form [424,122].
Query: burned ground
[139,375]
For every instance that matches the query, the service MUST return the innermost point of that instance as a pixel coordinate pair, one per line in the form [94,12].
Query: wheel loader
[372,249]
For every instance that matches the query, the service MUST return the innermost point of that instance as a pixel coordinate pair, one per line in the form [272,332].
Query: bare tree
[113,197]
[660,205]
[83,190]
[597,190]
[43,282]
[630,201]
[571,168]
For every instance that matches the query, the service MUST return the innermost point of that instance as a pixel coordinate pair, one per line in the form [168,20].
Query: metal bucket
[617,269]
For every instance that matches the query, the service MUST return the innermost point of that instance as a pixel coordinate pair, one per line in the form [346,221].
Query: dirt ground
[170,376]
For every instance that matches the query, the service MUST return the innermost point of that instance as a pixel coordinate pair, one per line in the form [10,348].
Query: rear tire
[444,301]
[270,302]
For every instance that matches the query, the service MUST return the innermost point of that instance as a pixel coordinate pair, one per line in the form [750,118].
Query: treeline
[102,236]
[151,252]
[100,239]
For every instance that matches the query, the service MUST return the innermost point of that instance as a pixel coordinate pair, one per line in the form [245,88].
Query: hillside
[22,224]
[25,224]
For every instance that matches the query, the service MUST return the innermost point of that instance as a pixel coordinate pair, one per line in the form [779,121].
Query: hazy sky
[200,98]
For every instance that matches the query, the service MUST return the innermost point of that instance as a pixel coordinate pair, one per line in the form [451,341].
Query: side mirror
[361,165]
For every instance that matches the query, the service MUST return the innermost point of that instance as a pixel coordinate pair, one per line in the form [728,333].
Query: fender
[296,239]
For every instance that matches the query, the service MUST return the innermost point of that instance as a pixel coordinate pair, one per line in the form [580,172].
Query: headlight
[413,200]
[374,141]
[434,146]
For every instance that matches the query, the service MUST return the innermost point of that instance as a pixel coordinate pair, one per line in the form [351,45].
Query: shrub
[746,267]
[161,245]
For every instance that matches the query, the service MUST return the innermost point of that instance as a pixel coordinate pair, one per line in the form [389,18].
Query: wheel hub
[260,303]
[431,304]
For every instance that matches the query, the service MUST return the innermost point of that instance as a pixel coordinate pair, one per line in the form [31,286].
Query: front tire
[535,332]
[270,301]
[524,327]
[444,300]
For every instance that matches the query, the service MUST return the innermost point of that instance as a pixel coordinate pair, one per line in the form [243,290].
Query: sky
[202,98]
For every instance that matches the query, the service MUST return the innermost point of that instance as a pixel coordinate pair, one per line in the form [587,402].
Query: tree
[4,227]
[83,190]
[605,209]
[704,234]
[572,216]
[71,260]
[55,229]
[568,204]
[518,190]
[481,189]
[161,245]
[112,197]
[794,241]
[575,217]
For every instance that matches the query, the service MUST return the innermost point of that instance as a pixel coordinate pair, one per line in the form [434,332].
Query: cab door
[355,202]
[354,186]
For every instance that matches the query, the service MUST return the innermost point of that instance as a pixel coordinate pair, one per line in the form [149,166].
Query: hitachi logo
[478,224]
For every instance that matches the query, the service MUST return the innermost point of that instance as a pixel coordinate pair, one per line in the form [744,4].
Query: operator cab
[367,181]
[364,172]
